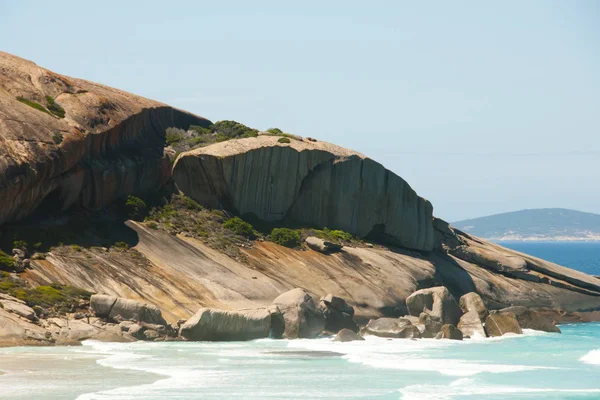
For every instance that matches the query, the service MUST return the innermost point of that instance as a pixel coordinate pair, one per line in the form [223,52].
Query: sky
[483,107]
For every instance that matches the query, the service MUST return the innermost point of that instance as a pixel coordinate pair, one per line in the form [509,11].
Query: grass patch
[283,140]
[55,297]
[121,246]
[286,237]
[33,104]
[55,108]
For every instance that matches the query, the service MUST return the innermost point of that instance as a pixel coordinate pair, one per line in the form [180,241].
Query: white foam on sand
[593,357]
[471,387]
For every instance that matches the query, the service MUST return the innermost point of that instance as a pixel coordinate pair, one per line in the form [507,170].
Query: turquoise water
[534,366]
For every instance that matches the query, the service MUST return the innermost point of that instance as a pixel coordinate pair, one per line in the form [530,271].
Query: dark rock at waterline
[392,328]
[500,323]
[449,331]
[338,314]
[431,327]
[303,319]
[346,335]
[531,319]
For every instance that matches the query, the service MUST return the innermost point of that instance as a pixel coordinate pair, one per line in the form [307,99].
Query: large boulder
[473,302]
[470,325]
[119,309]
[338,314]
[322,246]
[16,331]
[346,335]
[501,323]
[225,325]
[392,328]
[313,183]
[449,332]
[303,319]
[435,301]
[531,319]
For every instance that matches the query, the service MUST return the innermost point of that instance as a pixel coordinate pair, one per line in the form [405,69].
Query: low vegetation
[283,140]
[55,297]
[136,208]
[286,237]
[7,263]
[54,107]
[57,138]
[240,227]
[198,136]
[335,235]
[33,104]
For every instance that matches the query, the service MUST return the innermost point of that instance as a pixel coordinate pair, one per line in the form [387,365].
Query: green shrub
[240,227]
[173,137]
[54,108]
[286,237]
[135,207]
[33,104]
[20,244]
[233,129]
[37,246]
[121,246]
[57,138]
[4,274]
[76,247]
[152,225]
[283,140]
[191,205]
[7,263]
[275,131]
[334,234]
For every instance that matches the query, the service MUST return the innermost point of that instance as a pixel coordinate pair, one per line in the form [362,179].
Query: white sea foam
[471,387]
[593,357]
[410,355]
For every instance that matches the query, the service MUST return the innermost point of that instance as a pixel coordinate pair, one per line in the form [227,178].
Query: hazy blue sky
[481,107]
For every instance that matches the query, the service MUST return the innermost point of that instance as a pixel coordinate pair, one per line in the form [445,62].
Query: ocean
[535,365]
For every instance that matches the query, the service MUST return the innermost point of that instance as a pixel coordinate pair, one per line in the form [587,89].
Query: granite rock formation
[104,144]
[313,183]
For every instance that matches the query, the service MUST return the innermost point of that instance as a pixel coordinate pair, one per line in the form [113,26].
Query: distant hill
[535,224]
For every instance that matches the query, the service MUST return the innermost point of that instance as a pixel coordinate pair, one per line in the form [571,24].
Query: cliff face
[66,141]
[312,183]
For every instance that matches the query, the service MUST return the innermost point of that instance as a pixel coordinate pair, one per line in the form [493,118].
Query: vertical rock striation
[313,183]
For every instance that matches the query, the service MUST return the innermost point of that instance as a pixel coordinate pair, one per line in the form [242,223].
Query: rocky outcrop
[223,325]
[531,319]
[399,328]
[437,302]
[449,331]
[119,309]
[470,325]
[473,302]
[303,319]
[338,314]
[104,144]
[346,335]
[314,183]
[322,246]
[501,323]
